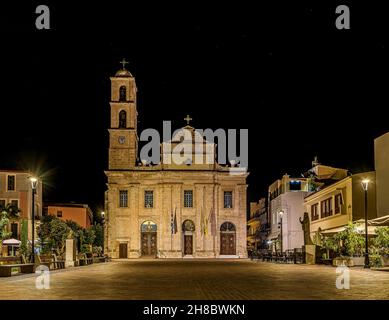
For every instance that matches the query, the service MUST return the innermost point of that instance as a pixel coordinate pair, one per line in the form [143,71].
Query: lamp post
[102,222]
[365,186]
[34,183]
[281,213]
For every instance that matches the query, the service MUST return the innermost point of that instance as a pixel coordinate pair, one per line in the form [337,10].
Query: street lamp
[281,213]
[34,183]
[365,186]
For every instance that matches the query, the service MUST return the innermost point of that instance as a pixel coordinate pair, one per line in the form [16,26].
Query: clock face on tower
[122,140]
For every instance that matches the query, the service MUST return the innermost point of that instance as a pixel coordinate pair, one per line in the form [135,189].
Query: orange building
[79,213]
[15,189]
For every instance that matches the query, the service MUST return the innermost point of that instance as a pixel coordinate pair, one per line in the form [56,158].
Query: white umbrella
[11,242]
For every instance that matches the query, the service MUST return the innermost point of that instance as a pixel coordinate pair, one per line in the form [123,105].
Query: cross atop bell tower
[123,63]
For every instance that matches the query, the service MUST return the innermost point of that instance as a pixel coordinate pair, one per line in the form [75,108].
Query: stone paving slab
[197,280]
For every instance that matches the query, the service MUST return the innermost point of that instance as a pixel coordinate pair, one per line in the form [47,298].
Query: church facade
[165,209]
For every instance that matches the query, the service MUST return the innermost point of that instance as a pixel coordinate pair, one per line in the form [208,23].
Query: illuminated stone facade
[167,210]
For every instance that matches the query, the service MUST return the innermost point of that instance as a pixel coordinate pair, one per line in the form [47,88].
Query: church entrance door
[123,251]
[148,239]
[188,229]
[228,239]
[227,245]
[188,244]
[149,243]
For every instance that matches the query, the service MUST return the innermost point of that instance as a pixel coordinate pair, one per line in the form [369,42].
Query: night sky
[301,87]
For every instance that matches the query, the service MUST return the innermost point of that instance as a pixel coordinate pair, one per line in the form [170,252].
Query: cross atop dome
[123,63]
[188,119]
[123,72]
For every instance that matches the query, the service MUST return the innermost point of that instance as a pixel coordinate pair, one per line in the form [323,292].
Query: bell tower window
[122,119]
[122,94]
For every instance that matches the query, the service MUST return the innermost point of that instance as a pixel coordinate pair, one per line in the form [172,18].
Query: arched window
[148,226]
[227,227]
[188,225]
[122,119]
[122,94]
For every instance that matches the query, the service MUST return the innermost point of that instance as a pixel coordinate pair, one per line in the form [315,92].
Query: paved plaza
[198,279]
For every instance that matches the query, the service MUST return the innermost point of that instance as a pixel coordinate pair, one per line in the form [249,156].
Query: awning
[381,221]
[361,228]
[11,242]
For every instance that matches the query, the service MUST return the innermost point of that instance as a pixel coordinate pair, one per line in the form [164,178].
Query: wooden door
[188,244]
[123,251]
[153,243]
[227,244]
[149,243]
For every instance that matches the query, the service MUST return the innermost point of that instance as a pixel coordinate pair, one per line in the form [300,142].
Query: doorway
[227,239]
[188,228]
[188,244]
[148,239]
[123,251]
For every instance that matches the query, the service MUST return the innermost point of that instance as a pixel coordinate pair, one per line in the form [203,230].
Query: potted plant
[379,252]
[353,243]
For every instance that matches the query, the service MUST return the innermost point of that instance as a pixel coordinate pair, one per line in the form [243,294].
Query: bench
[51,261]
[45,259]
[97,259]
[8,263]
[85,259]
[58,263]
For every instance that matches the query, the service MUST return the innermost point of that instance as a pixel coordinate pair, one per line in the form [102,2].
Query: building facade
[168,209]
[79,213]
[256,225]
[286,200]
[381,159]
[334,206]
[15,189]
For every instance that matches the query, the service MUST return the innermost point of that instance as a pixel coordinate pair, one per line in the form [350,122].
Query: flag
[175,220]
[204,222]
[212,218]
[171,223]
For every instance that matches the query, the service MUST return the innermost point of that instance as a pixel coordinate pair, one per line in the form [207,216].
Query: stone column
[70,253]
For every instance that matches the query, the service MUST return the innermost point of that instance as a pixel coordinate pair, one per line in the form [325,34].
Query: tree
[78,233]
[330,243]
[89,236]
[353,241]
[24,237]
[53,233]
[381,241]
[99,235]
[8,212]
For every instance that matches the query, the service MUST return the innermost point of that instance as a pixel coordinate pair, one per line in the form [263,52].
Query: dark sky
[301,87]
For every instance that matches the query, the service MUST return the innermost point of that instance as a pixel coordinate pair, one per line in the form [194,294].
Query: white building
[286,196]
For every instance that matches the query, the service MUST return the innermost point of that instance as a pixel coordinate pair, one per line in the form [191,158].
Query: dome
[123,73]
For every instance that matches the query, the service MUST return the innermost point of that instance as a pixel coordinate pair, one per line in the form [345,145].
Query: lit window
[228,199]
[295,185]
[11,183]
[123,198]
[326,208]
[149,199]
[338,203]
[59,214]
[188,198]
[314,212]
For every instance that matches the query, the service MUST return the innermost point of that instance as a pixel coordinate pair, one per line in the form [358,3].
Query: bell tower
[123,137]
